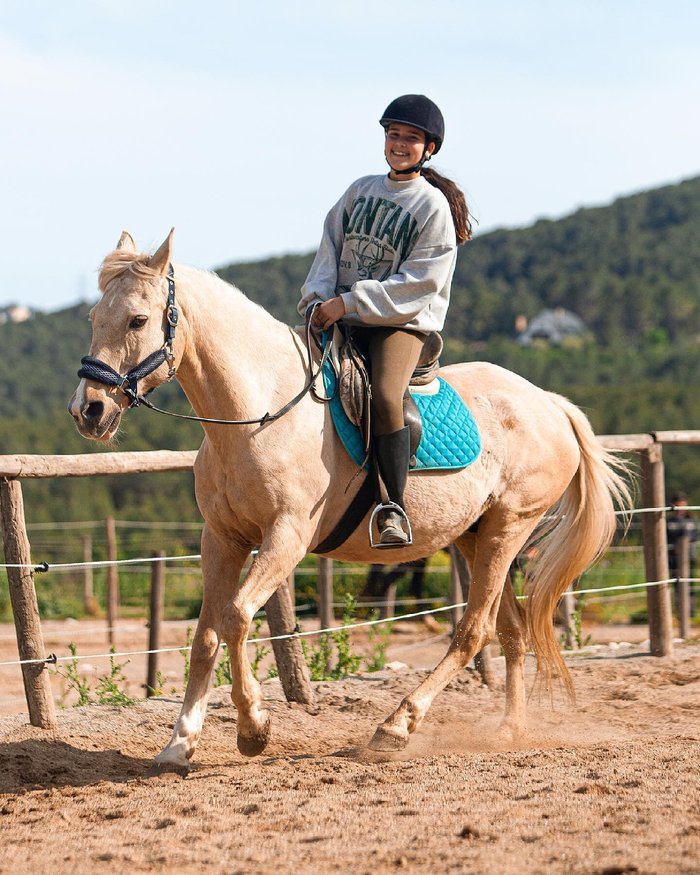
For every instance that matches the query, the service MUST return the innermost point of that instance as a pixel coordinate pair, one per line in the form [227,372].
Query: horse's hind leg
[512,636]
[497,544]
[221,568]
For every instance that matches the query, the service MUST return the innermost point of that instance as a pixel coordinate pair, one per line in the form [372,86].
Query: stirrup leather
[395,508]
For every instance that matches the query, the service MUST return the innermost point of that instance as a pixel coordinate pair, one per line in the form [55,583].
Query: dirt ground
[610,785]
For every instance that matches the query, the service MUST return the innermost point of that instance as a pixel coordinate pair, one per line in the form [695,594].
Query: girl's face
[404,147]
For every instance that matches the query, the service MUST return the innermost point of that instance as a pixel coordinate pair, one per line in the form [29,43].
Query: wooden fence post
[155,618]
[112,581]
[683,587]
[325,592]
[25,610]
[388,609]
[291,665]
[655,551]
[567,607]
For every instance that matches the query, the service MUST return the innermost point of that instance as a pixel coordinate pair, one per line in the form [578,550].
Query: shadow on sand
[41,764]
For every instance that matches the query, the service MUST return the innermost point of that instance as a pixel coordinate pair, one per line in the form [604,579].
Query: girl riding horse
[384,267]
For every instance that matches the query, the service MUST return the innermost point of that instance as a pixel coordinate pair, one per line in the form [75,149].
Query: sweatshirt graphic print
[389,249]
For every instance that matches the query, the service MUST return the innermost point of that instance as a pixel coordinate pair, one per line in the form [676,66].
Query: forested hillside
[630,270]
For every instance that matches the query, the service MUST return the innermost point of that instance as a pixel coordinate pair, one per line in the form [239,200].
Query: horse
[281,483]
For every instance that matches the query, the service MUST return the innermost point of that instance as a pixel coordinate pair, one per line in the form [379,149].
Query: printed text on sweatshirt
[389,249]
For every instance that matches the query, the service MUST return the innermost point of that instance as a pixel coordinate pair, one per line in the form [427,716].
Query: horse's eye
[137,322]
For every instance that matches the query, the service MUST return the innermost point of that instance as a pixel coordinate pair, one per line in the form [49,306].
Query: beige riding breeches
[393,354]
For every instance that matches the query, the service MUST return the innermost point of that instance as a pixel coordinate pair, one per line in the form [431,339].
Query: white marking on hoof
[173,757]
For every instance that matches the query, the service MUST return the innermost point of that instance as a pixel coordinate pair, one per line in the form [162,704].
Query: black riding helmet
[420,112]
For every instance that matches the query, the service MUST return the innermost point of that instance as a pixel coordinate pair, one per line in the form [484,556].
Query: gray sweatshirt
[389,249]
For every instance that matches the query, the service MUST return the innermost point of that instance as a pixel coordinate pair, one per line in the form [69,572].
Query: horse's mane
[119,261]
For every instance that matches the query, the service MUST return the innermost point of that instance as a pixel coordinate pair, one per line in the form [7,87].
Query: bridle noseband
[100,372]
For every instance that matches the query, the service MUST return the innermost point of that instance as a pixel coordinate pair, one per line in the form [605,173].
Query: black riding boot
[391,452]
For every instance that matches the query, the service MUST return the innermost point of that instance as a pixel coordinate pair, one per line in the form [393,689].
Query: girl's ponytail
[456,200]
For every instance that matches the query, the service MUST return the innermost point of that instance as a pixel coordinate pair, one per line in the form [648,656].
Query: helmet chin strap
[418,166]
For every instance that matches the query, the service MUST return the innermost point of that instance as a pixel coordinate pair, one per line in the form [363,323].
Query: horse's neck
[239,360]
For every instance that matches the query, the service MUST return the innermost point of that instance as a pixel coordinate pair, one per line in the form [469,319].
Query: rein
[100,372]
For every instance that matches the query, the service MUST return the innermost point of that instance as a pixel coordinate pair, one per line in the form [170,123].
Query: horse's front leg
[496,546]
[221,567]
[281,551]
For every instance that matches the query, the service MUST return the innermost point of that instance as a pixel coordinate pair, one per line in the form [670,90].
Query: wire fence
[44,568]
[52,659]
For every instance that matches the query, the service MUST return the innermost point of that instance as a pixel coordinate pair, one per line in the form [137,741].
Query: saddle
[355,390]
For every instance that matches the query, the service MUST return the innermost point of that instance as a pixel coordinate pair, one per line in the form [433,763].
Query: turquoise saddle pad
[450,435]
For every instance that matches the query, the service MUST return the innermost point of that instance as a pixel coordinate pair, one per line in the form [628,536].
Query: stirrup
[396,508]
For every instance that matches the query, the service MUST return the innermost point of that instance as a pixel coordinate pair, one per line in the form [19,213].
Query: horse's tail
[577,531]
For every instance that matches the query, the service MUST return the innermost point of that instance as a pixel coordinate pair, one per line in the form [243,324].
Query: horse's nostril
[93,410]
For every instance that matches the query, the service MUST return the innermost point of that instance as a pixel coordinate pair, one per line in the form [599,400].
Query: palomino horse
[283,484]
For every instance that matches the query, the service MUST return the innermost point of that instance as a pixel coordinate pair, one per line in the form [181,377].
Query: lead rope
[100,372]
[270,417]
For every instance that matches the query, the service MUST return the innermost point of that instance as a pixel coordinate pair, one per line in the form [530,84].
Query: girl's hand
[328,313]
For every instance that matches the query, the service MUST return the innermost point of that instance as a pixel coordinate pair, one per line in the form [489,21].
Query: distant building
[15,313]
[553,326]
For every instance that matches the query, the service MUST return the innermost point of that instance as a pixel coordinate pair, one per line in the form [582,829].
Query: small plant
[222,672]
[158,689]
[378,637]
[577,619]
[186,655]
[73,681]
[578,626]
[320,659]
[108,690]
[260,651]
[347,662]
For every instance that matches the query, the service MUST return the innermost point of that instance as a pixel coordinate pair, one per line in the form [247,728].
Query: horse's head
[132,338]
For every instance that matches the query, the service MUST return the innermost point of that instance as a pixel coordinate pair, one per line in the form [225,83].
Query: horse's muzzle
[96,415]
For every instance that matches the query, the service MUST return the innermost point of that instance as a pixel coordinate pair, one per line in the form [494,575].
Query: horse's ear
[127,242]
[160,260]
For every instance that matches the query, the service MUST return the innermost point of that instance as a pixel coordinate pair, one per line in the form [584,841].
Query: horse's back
[487,378]
[508,407]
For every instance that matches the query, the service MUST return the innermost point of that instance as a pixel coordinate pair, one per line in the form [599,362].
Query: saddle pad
[450,436]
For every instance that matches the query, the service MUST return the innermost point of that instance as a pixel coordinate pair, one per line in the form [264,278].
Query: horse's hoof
[388,739]
[509,734]
[252,745]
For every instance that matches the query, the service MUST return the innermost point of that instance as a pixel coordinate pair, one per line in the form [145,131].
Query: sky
[240,124]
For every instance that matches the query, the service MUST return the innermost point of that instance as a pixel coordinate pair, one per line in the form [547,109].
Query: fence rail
[96,464]
[14,468]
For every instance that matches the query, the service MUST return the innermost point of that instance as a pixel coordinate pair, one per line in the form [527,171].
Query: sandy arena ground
[611,785]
